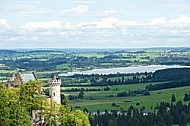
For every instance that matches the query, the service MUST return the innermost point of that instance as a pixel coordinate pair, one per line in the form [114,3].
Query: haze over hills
[94,49]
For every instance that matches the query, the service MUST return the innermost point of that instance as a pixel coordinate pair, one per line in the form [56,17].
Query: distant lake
[131,69]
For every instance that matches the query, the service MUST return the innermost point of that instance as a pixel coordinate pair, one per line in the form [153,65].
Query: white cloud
[35,38]
[107,22]
[69,26]
[3,24]
[81,25]
[156,21]
[75,11]
[173,31]
[181,19]
[98,33]
[127,23]
[63,33]
[42,24]
[49,32]
[104,23]
[107,13]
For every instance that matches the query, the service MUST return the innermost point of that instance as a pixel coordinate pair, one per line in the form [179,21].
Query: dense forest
[166,114]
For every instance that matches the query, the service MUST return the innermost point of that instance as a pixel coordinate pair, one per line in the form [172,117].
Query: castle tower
[54,89]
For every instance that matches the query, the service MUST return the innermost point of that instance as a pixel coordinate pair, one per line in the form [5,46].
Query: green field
[95,100]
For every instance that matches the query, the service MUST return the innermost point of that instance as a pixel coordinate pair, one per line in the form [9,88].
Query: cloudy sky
[94,23]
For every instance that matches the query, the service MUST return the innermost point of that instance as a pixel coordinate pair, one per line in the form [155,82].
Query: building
[54,90]
[16,80]
[54,84]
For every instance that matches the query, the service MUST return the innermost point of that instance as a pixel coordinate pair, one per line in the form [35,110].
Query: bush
[113,104]
[122,94]
[137,103]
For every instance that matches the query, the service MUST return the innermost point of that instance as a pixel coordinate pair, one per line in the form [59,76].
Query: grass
[63,67]
[89,55]
[100,100]
[90,87]
[7,71]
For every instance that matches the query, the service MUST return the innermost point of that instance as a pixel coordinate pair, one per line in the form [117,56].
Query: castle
[54,90]
[54,84]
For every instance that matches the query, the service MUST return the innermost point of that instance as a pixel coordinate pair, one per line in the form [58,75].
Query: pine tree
[81,94]
[173,99]
[186,97]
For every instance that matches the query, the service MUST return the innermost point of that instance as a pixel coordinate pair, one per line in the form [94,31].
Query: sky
[94,23]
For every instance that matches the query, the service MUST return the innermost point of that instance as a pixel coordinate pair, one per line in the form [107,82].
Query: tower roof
[54,77]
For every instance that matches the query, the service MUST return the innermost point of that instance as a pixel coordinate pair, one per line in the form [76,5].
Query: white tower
[54,89]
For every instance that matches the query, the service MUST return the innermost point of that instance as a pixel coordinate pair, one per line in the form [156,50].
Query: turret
[54,89]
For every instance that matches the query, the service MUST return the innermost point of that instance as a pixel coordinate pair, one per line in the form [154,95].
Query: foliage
[186,97]
[17,105]
[12,111]
[171,74]
[63,116]
[172,84]
[81,94]
[173,99]
[166,114]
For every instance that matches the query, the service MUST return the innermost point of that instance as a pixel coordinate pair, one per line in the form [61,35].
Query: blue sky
[94,23]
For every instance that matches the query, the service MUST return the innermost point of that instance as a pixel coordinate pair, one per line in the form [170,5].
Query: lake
[131,69]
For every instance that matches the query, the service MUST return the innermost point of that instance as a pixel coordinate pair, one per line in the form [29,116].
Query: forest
[166,115]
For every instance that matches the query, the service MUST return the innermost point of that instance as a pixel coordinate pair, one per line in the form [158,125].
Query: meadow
[101,100]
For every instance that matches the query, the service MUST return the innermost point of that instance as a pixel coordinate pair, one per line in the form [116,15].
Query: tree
[64,100]
[16,105]
[12,112]
[173,99]
[146,93]
[63,116]
[111,122]
[85,110]
[183,119]
[81,94]
[186,97]
[113,104]
[4,101]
